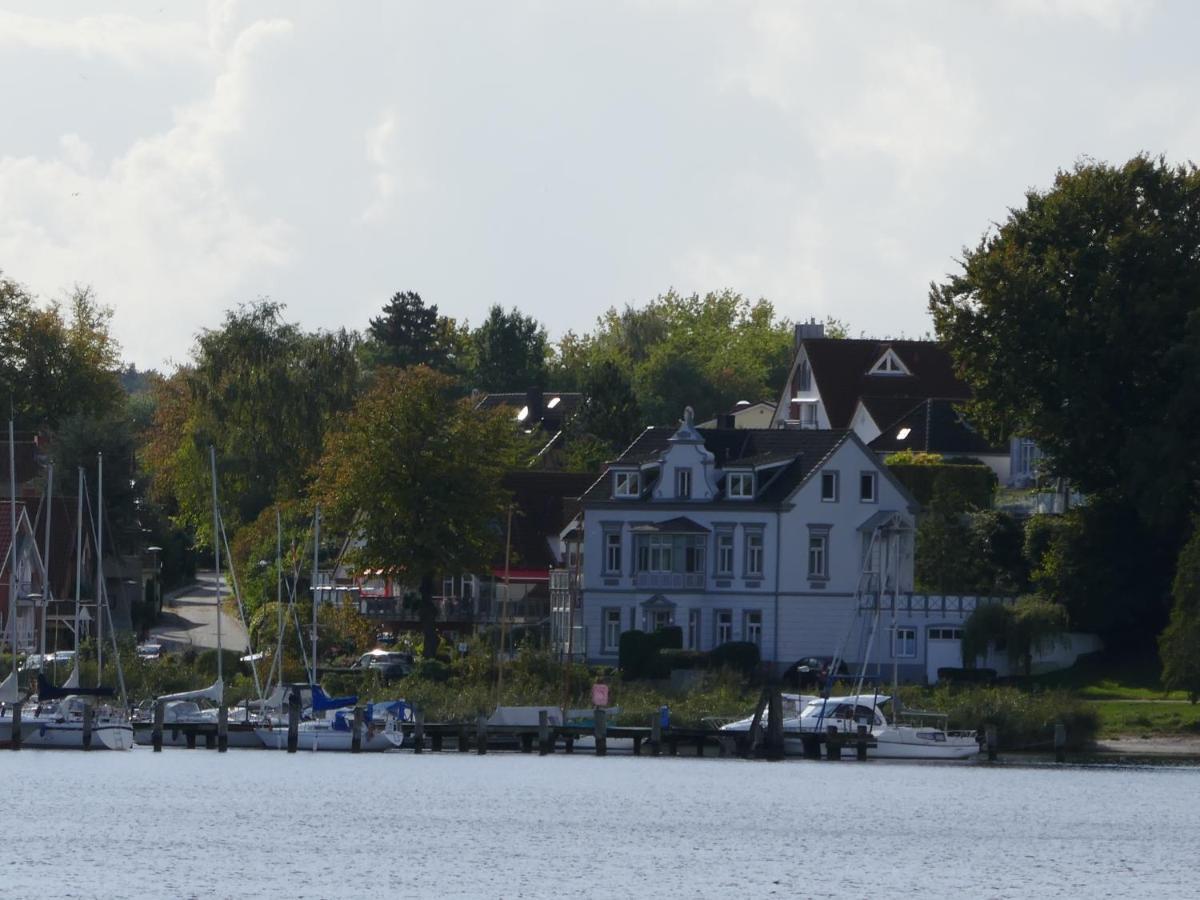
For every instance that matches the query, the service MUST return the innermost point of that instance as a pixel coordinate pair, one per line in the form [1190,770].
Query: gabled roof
[935,426]
[842,370]
[543,503]
[678,525]
[800,451]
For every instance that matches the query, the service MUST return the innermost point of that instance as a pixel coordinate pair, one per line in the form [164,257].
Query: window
[829,487]
[808,415]
[739,485]
[683,483]
[612,630]
[904,642]
[803,376]
[1027,456]
[656,553]
[752,627]
[693,629]
[754,554]
[627,484]
[889,364]
[724,628]
[818,555]
[945,634]
[658,619]
[447,587]
[725,553]
[612,552]
[866,487]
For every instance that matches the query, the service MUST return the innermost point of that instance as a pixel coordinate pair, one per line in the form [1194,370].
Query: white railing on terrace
[669,580]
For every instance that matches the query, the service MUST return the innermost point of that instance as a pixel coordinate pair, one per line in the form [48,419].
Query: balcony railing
[670,580]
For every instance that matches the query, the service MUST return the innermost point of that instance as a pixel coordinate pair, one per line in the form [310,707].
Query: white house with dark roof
[774,536]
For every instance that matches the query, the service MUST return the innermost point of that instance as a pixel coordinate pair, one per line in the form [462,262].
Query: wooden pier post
[357,734]
[89,714]
[860,746]
[189,738]
[544,744]
[656,733]
[1060,743]
[156,733]
[990,740]
[569,743]
[481,730]
[16,726]
[600,719]
[222,728]
[833,743]
[210,740]
[774,747]
[293,732]
[419,731]
[811,745]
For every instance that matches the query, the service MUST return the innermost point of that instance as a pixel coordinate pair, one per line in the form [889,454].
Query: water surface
[258,824]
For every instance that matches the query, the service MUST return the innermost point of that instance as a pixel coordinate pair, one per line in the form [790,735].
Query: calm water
[256,824]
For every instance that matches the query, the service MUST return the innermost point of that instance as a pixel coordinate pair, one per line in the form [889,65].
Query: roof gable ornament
[889,364]
[687,432]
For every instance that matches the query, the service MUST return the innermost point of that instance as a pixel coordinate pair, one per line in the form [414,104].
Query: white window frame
[904,642]
[627,484]
[739,485]
[610,616]
[874,481]
[693,629]
[613,546]
[683,483]
[752,631]
[818,555]
[722,622]
[830,477]
[755,553]
[889,364]
[724,542]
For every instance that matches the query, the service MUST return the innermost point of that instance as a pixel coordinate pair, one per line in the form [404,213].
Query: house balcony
[671,581]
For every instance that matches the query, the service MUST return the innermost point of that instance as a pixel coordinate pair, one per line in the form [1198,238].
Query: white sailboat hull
[325,739]
[69,735]
[238,735]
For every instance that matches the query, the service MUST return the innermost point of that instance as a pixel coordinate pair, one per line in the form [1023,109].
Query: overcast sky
[560,156]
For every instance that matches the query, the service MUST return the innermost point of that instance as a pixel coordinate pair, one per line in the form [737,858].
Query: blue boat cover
[322,701]
[340,723]
[47,691]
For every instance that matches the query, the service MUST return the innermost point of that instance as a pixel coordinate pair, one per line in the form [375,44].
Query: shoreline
[1183,746]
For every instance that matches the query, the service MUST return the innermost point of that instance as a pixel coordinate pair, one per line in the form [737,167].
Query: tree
[416,474]
[511,351]
[409,333]
[610,410]
[1031,626]
[1077,324]
[54,365]
[1179,644]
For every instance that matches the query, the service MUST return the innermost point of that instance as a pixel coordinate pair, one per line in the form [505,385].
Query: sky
[563,157]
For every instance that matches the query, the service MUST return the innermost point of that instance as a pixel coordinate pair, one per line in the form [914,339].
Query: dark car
[389,664]
[811,673]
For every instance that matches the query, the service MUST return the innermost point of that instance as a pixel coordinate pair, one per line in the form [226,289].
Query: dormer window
[683,484]
[889,364]
[739,485]
[627,484]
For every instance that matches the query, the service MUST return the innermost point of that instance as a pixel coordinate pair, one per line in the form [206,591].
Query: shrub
[434,670]
[669,638]
[637,654]
[684,659]
[966,676]
[1024,720]
[741,656]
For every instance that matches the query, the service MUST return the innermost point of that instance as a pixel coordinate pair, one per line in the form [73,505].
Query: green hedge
[973,486]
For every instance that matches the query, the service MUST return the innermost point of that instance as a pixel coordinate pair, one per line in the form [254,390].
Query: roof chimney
[533,402]
[809,330]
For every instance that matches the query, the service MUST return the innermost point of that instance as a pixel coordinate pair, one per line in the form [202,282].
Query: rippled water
[256,824]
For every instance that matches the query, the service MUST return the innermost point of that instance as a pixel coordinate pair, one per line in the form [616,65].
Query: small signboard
[599,695]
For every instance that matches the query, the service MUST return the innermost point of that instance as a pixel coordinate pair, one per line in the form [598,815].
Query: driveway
[189,619]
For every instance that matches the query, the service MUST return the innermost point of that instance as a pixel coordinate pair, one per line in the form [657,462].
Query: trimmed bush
[972,486]
[684,659]
[741,656]
[434,670]
[669,638]
[637,653]
[966,676]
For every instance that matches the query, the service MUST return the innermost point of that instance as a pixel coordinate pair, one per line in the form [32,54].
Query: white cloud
[394,173]
[1113,15]
[128,40]
[159,229]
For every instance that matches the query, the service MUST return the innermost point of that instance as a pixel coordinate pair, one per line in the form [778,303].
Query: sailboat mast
[897,537]
[212,459]
[99,567]
[46,562]
[12,544]
[279,590]
[316,550]
[78,560]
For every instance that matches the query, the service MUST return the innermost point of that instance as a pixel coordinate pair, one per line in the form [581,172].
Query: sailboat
[315,732]
[71,716]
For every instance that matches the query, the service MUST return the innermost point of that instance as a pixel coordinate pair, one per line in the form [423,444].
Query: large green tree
[511,352]
[409,333]
[1077,323]
[262,392]
[415,472]
[56,363]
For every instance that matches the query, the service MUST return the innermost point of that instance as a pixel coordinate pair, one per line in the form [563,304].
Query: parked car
[149,651]
[35,662]
[388,663]
[386,638]
[811,672]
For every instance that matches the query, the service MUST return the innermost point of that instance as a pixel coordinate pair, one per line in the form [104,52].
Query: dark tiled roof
[935,426]
[550,418]
[840,368]
[543,504]
[733,447]
[677,525]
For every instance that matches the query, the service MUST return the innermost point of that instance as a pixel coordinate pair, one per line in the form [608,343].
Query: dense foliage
[1179,644]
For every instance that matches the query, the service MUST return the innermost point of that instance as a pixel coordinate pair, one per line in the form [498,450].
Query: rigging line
[102,605]
[237,595]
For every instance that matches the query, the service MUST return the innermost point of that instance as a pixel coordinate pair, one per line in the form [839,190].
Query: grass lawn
[1096,678]
[1147,719]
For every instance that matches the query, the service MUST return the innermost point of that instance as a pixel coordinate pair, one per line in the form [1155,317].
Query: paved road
[190,619]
